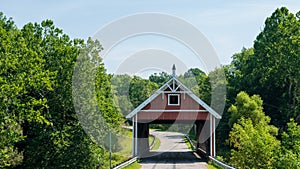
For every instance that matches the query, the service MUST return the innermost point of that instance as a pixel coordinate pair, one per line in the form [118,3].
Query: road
[172,153]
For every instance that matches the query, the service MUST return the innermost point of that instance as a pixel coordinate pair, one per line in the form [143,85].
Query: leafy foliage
[23,84]
[247,107]
[289,156]
[160,78]
[271,68]
[120,84]
[252,138]
[254,145]
[39,125]
[140,89]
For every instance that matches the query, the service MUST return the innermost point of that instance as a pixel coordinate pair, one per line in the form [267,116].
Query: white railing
[212,159]
[153,142]
[132,160]
[220,163]
[126,163]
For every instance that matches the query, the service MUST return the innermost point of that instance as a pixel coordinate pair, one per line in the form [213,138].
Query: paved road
[172,153]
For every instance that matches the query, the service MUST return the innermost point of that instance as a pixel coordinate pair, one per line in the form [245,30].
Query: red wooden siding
[161,103]
[180,116]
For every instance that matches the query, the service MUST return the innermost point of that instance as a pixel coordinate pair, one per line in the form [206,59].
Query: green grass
[188,143]
[157,144]
[210,166]
[125,152]
[151,138]
[134,165]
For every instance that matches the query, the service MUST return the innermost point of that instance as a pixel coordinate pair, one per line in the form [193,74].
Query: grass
[125,151]
[210,166]
[188,143]
[151,138]
[134,165]
[156,144]
[125,144]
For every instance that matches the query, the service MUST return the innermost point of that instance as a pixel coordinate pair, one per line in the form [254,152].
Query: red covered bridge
[173,103]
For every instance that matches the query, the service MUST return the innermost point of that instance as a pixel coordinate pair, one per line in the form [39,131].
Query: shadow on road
[172,157]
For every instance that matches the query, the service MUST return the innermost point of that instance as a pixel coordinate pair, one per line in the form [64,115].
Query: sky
[228,26]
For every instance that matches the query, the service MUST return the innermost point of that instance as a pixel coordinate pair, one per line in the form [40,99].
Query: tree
[140,89]
[271,68]
[247,107]
[253,140]
[160,78]
[289,156]
[120,84]
[23,82]
[277,63]
[239,73]
[254,146]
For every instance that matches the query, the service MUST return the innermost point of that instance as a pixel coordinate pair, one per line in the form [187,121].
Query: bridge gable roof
[180,86]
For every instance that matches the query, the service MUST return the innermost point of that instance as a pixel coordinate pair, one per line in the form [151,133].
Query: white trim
[199,101]
[173,89]
[149,110]
[210,131]
[133,131]
[177,87]
[175,92]
[214,134]
[170,104]
[136,135]
[152,97]
[161,90]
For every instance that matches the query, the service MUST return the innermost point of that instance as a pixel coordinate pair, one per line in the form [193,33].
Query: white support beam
[136,134]
[210,134]
[133,139]
[214,134]
[174,92]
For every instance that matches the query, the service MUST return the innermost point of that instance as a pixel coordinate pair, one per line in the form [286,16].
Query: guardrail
[199,151]
[126,163]
[153,142]
[210,158]
[132,160]
[221,164]
[194,147]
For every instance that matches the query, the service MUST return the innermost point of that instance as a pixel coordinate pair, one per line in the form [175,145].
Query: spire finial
[173,70]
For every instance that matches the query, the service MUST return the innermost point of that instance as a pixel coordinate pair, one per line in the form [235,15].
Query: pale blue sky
[228,25]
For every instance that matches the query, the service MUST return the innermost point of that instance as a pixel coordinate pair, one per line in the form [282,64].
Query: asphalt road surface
[173,153]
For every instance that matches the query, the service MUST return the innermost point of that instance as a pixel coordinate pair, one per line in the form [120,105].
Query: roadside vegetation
[41,129]
[188,143]
[134,165]
[156,144]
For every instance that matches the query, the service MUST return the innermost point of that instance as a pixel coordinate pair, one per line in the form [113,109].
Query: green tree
[23,82]
[254,146]
[63,144]
[247,107]
[160,78]
[277,64]
[271,68]
[120,84]
[238,74]
[289,156]
[140,89]
[253,140]
[39,125]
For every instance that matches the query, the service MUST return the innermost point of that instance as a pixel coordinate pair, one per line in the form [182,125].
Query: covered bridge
[173,102]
